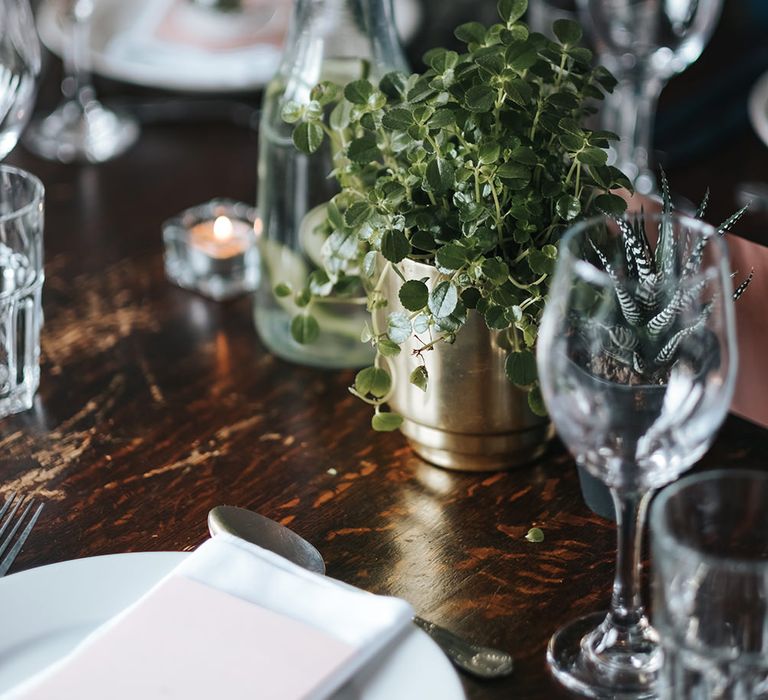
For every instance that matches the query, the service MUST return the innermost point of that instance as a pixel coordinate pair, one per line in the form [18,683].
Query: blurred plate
[176,45]
[758,108]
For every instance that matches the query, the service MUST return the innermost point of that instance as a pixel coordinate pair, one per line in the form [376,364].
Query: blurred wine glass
[19,70]
[81,128]
[644,43]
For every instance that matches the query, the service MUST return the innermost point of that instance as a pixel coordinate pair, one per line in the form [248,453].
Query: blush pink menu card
[232,622]
[228,648]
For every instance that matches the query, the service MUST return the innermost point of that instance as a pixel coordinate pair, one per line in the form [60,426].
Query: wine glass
[81,128]
[19,70]
[637,360]
[644,43]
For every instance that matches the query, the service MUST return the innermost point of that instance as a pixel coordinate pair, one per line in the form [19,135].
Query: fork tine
[9,558]
[9,519]
[7,504]
[16,523]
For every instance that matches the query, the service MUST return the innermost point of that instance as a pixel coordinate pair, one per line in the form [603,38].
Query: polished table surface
[156,404]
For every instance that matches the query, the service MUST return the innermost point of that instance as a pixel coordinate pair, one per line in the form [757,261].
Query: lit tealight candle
[213,252]
[222,238]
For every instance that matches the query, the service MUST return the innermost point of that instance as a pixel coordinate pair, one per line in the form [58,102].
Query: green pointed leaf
[414,295]
[394,245]
[374,381]
[308,136]
[419,377]
[305,329]
[386,422]
[520,368]
[443,300]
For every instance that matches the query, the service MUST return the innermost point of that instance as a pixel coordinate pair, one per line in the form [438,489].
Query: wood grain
[156,404]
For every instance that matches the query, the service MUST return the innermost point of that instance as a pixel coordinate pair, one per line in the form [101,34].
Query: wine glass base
[72,133]
[619,676]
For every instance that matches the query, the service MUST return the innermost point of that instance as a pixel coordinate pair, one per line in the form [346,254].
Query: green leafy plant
[476,167]
[654,293]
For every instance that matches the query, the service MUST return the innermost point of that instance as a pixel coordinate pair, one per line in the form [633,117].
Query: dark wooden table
[156,404]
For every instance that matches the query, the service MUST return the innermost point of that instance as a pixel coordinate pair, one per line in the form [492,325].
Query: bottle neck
[342,32]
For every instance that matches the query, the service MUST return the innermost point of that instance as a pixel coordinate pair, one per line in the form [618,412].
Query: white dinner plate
[758,108]
[130,42]
[48,610]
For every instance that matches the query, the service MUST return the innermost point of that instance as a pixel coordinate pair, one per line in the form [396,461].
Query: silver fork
[8,517]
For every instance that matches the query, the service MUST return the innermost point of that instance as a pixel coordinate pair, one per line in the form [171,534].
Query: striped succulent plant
[655,292]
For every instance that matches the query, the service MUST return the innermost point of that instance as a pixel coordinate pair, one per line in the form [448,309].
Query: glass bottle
[338,40]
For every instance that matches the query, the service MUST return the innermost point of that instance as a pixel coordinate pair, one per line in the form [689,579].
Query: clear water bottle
[19,70]
[338,40]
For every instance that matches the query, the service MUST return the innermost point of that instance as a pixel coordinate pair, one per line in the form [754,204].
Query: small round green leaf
[374,381]
[536,402]
[520,368]
[398,327]
[358,91]
[358,214]
[610,204]
[480,98]
[568,207]
[440,175]
[394,245]
[364,149]
[283,289]
[308,136]
[398,119]
[592,156]
[419,377]
[512,10]
[414,295]
[386,422]
[305,329]
[471,33]
[451,256]
[443,300]
[535,534]
[292,112]
[388,348]
[567,31]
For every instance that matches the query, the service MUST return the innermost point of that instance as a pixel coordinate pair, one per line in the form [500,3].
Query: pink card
[188,641]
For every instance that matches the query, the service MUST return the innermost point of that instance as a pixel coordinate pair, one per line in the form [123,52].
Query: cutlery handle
[483,662]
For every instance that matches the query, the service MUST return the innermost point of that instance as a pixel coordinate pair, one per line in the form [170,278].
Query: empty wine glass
[81,128]
[637,360]
[644,43]
[19,70]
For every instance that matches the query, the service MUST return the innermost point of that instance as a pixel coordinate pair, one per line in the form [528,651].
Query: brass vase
[471,418]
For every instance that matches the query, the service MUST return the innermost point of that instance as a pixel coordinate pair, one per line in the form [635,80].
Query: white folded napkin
[232,621]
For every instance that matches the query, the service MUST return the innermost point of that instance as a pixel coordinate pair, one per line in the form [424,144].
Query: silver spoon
[483,662]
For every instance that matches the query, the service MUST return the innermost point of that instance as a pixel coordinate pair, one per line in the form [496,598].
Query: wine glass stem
[630,112]
[626,602]
[77,81]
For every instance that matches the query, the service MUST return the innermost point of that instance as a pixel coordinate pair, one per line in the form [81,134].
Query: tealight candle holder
[212,249]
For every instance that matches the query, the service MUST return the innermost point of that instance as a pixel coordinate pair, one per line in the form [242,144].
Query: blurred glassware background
[20,65]
[81,128]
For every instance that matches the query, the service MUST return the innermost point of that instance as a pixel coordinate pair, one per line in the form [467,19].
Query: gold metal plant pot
[471,417]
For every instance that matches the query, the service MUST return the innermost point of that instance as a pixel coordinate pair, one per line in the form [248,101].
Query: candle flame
[222,228]
[258,227]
